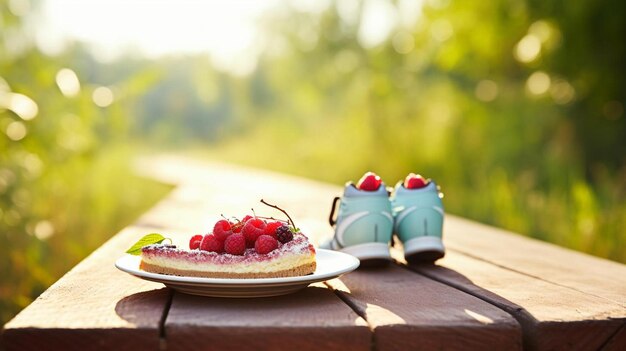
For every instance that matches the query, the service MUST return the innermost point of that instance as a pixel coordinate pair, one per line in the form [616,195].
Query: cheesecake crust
[301,270]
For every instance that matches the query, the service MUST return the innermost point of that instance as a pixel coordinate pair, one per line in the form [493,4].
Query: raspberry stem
[281,210]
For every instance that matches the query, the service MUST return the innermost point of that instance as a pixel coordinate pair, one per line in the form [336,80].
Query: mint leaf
[154,238]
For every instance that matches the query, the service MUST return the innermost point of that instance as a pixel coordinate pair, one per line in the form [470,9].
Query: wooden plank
[312,319]
[93,307]
[553,317]
[477,324]
[409,311]
[594,276]
[618,341]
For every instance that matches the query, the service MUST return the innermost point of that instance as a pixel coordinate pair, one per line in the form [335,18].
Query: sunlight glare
[226,30]
[479,317]
[378,20]
[19,7]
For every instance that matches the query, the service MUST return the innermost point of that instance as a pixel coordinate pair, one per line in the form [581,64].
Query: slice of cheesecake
[294,258]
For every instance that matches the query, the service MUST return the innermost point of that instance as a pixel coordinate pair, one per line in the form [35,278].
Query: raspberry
[253,229]
[195,241]
[265,244]
[246,218]
[271,227]
[235,244]
[284,234]
[222,229]
[236,227]
[211,243]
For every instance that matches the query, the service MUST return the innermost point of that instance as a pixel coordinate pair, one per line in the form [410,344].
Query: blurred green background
[515,107]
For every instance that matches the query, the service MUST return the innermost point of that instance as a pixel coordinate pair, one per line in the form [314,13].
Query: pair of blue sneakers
[369,214]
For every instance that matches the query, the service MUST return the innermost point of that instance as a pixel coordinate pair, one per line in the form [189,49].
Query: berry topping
[265,244]
[222,229]
[271,227]
[235,244]
[415,181]
[211,243]
[236,227]
[369,182]
[195,241]
[284,234]
[253,229]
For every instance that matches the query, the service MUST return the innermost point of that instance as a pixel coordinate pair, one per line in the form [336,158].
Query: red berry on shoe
[265,244]
[235,244]
[415,181]
[253,229]
[195,241]
[211,243]
[369,182]
[271,227]
[222,229]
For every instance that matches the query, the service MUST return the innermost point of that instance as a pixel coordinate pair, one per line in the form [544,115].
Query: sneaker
[364,224]
[418,213]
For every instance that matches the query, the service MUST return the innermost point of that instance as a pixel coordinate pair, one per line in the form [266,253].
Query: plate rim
[352,263]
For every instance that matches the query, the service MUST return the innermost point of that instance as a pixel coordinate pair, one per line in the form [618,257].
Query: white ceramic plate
[330,264]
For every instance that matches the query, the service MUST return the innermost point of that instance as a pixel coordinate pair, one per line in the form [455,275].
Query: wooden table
[494,290]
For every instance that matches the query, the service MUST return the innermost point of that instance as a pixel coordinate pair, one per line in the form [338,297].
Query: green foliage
[516,108]
[65,179]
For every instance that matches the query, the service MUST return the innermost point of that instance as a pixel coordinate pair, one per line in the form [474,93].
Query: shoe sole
[423,249]
[370,254]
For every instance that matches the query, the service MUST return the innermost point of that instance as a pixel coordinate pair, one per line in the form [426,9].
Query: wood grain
[553,317]
[93,307]
[494,289]
[408,311]
[598,277]
[312,319]
[618,341]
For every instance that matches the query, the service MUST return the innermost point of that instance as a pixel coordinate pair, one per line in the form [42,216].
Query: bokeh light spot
[68,82]
[486,90]
[403,42]
[562,92]
[44,229]
[102,96]
[23,106]
[528,49]
[538,83]
[16,131]
[441,30]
